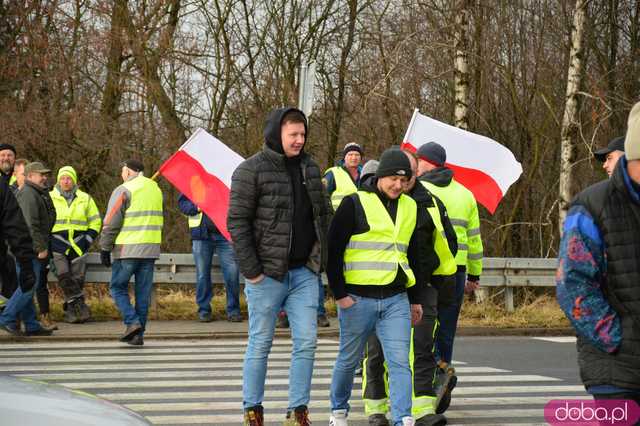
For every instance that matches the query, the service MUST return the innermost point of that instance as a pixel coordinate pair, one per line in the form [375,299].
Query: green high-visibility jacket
[463,213]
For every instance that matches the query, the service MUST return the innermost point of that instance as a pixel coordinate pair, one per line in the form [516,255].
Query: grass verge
[177,302]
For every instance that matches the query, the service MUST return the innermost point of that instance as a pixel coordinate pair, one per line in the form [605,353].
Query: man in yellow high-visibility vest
[374,271]
[131,235]
[343,179]
[438,246]
[463,213]
[77,226]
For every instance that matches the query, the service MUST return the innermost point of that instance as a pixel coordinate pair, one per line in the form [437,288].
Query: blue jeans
[390,319]
[203,254]
[121,272]
[321,308]
[20,304]
[298,295]
[448,318]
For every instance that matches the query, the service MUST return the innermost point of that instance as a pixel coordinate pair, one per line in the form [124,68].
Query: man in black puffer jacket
[278,219]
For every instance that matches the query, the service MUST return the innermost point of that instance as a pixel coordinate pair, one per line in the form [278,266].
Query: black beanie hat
[351,146]
[8,146]
[394,162]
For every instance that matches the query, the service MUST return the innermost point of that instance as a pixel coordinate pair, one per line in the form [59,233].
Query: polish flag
[479,163]
[201,169]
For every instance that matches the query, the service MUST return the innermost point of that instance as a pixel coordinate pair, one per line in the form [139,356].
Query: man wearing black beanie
[375,276]
[8,277]
[7,161]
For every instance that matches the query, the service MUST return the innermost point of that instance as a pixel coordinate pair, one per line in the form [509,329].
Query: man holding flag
[131,236]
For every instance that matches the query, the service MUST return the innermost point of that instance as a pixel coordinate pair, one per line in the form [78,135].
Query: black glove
[105,258]
[83,244]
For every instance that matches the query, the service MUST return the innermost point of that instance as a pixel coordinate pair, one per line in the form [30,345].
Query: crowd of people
[399,240]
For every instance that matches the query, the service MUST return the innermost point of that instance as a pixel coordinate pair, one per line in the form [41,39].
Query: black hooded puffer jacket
[261,209]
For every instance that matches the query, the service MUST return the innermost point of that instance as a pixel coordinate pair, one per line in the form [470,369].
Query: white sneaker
[408,421]
[338,418]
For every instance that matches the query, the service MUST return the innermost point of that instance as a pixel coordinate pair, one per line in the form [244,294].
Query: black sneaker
[136,340]
[234,318]
[11,329]
[206,317]
[39,332]
[323,321]
[378,420]
[130,331]
[432,420]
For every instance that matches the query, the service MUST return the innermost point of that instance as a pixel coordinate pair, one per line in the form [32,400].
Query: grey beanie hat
[369,168]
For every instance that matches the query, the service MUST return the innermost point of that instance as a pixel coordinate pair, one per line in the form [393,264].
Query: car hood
[26,402]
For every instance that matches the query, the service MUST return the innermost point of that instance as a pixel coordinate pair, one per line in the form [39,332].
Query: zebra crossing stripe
[323,393]
[227,419]
[114,374]
[324,404]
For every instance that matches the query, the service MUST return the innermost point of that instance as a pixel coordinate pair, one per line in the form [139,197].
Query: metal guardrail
[498,272]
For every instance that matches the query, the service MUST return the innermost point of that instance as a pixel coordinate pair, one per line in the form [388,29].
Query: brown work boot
[254,416]
[298,417]
[47,322]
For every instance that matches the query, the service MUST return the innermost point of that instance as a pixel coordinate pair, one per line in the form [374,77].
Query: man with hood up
[77,225]
[278,219]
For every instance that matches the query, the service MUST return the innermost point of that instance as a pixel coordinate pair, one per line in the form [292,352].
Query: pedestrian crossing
[200,381]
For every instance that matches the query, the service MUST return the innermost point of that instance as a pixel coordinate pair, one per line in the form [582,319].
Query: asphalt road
[502,380]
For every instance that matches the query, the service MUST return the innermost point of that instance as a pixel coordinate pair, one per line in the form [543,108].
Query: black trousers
[8,275]
[42,289]
[424,362]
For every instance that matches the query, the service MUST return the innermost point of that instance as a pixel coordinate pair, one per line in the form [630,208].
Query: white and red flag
[201,169]
[481,164]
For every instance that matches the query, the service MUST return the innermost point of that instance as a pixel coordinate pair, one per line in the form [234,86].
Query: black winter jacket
[262,207]
[13,230]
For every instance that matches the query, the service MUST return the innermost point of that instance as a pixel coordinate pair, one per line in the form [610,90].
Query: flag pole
[413,118]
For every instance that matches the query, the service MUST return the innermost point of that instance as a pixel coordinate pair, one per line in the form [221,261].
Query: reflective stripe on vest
[344,185]
[12,180]
[195,220]
[372,258]
[448,264]
[79,216]
[143,219]
[456,198]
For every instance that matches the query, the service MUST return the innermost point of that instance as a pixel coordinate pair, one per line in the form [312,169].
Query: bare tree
[461,65]
[570,121]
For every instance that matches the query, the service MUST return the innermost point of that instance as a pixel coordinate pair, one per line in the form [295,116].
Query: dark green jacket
[39,213]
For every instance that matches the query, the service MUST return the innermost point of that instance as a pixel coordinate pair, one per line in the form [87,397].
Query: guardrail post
[508,299]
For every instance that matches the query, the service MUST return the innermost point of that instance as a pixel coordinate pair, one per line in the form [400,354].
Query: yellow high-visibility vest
[448,264]
[81,215]
[143,219]
[344,185]
[373,258]
[463,213]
